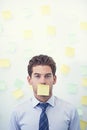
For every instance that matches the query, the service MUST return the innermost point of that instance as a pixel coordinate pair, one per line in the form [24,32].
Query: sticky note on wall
[80,111]
[3,85]
[4,62]
[84,82]
[51,30]
[69,51]
[83,69]
[27,34]
[43,90]
[83,25]
[45,10]
[18,93]
[83,125]
[11,47]
[18,83]
[84,100]
[65,69]
[6,14]
[72,88]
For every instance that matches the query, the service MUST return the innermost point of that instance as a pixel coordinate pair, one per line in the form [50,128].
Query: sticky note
[27,34]
[43,90]
[84,70]
[72,88]
[45,10]
[83,125]
[51,30]
[84,82]
[65,69]
[11,47]
[72,38]
[69,51]
[18,93]
[84,100]
[18,83]
[80,111]
[27,12]
[83,25]
[6,14]
[4,62]
[3,85]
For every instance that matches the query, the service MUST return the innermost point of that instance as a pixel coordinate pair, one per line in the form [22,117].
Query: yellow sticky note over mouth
[43,90]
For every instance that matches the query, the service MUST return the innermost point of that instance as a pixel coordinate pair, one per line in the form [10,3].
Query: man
[44,111]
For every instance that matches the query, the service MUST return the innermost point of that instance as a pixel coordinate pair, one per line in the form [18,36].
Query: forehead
[41,69]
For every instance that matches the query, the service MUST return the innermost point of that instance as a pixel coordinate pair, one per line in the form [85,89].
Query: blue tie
[43,122]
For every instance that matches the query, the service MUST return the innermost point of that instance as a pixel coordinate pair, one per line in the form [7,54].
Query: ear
[29,79]
[55,79]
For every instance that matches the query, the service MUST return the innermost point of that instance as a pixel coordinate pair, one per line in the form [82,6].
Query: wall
[54,27]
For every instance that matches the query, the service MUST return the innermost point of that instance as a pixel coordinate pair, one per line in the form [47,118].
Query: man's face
[42,74]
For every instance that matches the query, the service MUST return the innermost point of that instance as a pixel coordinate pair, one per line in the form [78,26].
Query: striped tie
[43,122]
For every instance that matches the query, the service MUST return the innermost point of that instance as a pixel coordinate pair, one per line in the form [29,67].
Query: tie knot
[43,106]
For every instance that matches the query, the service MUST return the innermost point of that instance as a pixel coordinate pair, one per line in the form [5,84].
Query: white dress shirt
[61,115]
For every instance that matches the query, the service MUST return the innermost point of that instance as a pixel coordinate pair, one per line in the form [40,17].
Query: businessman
[44,111]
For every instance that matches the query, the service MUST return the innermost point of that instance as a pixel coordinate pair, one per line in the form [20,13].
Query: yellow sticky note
[6,14]
[84,100]
[65,69]
[83,25]
[43,90]
[4,62]
[83,124]
[51,30]
[45,10]
[27,34]
[69,51]
[84,82]
[18,93]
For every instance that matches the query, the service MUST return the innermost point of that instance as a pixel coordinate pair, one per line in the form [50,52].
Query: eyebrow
[42,74]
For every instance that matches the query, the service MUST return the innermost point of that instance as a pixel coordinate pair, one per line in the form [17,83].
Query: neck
[42,98]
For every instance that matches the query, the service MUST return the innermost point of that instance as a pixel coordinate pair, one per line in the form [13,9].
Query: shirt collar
[50,101]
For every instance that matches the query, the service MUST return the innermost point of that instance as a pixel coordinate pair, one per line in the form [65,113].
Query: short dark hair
[41,60]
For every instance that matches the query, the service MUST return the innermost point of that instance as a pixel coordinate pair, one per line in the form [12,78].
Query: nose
[42,80]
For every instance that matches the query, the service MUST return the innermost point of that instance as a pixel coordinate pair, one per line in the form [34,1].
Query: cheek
[52,81]
[34,84]
[34,88]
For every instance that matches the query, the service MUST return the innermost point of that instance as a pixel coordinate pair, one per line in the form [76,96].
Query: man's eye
[47,76]
[37,76]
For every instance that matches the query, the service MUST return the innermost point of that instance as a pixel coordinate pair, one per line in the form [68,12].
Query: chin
[44,95]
